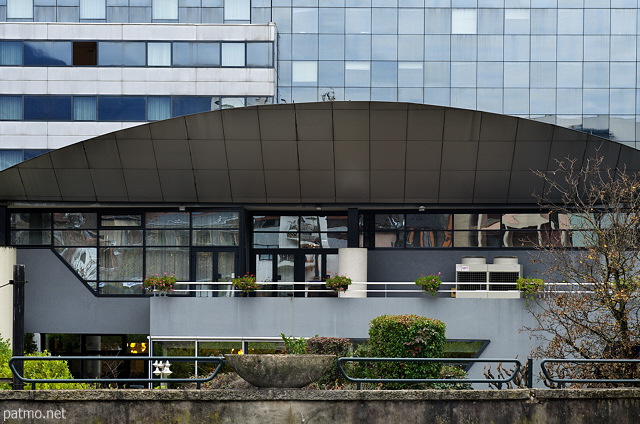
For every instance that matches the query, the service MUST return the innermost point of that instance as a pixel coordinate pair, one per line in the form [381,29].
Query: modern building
[401,131]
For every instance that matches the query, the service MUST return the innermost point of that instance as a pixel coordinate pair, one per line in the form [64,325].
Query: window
[304,72]
[188,105]
[84,108]
[196,54]
[47,108]
[122,53]
[47,53]
[10,108]
[237,10]
[233,54]
[92,9]
[84,53]
[19,9]
[259,54]
[10,53]
[121,109]
[158,108]
[464,21]
[159,54]
[164,9]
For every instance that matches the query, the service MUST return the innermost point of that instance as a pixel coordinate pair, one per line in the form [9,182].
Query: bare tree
[592,255]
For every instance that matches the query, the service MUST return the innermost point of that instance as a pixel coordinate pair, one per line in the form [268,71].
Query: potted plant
[529,287]
[339,283]
[430,283]
[161,284]
[247,283]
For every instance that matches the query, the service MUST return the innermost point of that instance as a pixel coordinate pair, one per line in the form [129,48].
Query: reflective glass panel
[10,53]
[30,220]
[188,105]
[196,54]
[83,261]
[215,238]
[170,260]
[47,53]
[167,219]
[75,238]
[167,237]
[47,108]
[120,263]
[215,219]
[122,108]
[121,220]
[121,53]
[260,54]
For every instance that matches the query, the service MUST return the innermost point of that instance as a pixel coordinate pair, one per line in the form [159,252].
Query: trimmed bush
[332,378]
[406,336]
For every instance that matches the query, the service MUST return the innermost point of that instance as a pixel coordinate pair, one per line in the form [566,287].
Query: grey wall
[57,302]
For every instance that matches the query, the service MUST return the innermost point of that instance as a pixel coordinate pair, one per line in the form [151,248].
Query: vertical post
[353,233]
[18,321]
[530,373]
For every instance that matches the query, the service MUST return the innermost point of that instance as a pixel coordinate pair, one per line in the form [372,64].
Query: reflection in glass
[215,238]
[121,220]
[167,237]
[23,238]
[120,263]
[47,53]
[121,53]
[81,260]
[170,260]
[120,288]
[167,219]
[30,220]
[121,237]
[75,238]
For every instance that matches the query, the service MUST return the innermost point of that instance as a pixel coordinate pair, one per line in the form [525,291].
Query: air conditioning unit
[471,277]
[474,275]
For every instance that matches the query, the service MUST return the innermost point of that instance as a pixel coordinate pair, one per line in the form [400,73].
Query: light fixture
[182,208]
[422,208]
[318,207]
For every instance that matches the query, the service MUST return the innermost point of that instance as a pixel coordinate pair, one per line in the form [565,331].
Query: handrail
[198,381]
[562,381]
[497,381]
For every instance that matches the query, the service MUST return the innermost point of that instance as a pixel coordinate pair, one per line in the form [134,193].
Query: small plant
[338,283]
[246,283]
[529,287]
[430,283]
[295,346]
[162,284]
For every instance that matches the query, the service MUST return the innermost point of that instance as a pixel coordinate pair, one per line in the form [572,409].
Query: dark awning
[333,152]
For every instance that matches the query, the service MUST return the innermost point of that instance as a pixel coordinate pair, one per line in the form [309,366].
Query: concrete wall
[57,302]
[327,406]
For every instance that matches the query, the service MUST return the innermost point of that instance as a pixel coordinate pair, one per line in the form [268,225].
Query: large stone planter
[283,371]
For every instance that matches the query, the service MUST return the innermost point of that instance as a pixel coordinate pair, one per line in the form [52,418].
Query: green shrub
[337,346]
[38,369]
[406,336]
[449,371]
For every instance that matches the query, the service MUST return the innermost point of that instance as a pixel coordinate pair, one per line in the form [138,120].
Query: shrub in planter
[406,336]
[338,346]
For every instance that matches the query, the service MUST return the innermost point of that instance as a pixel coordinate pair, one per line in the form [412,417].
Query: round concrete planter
[282,371]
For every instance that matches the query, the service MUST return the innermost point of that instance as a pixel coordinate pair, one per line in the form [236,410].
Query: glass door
[214,265]
[299,271]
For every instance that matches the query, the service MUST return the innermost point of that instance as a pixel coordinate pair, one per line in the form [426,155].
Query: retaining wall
[546,406]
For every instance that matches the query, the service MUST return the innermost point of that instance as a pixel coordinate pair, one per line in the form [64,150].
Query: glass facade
[572,63]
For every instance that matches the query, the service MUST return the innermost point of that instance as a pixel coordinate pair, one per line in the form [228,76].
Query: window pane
[159,54]
[9,158]
[10,108]
[19,9]
[165,9]
[196,54]
[30,220]
[215,219]
[83,260]
[121,54]
[167,219]
[121,108]
[188,105]
[92,9]
[167,237]
[34,238]
[47,53]
[305,20]
[170,260]
[389,222]
[233,54]
[121,237]
[10,53]
[158,108]
[75,238]
[121,220]
[75,220]
[120,263]
[47,108]
[231,102]
[85,108]
[215,238]
[304,73]
[259,54]
[463,21]
[237,10]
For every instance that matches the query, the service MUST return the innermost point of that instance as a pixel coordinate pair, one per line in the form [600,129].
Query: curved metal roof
[333,152]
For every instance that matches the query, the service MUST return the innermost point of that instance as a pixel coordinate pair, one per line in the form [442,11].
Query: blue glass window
[47,108]
[47,53]
[10,108]
[196,54]
[259,54]
[121,54]
[189,105]
[84,108]
[121,109]
[10,53]
[158,108]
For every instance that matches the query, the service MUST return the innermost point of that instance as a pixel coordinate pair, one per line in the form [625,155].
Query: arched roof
[330,152]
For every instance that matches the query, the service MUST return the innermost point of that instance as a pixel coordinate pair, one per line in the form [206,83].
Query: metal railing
[218,359]
[562,381]
[497,381]
[316,288]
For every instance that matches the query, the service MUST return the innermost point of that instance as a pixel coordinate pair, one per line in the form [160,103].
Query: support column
[352,262]
[7,261]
